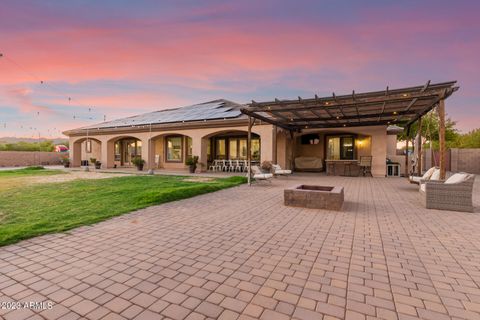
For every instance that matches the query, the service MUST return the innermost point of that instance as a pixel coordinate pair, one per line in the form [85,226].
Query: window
[221,149]
[256,149]
[117,151]
[340,148]
[346,148]
[174,149]
[243,149]
[233,148]
[88,146]
[189,147]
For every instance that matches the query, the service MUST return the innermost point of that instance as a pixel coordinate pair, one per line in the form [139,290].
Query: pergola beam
[407,175]
[444,95]
[406,93]
[399,106]
[383,109]
[305,105]
[251,121]
[267,120]
[419,147]
[441,138]
[355,117]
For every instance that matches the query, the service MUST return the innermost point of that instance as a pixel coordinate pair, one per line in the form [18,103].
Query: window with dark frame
[174,149]
[341,147]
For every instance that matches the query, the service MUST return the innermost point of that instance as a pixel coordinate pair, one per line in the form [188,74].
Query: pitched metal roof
[399,106]
[217,109]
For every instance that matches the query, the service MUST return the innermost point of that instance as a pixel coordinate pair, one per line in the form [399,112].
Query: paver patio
[240,254]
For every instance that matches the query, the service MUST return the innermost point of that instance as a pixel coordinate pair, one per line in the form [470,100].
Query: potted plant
[98,165]
[93,160]
[66,162]
[266,166]
[192,162]
[138,162]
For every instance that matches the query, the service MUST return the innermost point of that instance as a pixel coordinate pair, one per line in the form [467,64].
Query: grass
[30,211]
[29,171]
[20,177]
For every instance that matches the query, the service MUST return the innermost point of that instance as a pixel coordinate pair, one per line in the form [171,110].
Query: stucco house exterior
[218,130]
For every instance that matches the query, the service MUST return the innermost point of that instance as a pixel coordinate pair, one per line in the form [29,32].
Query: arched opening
[231,145]
[170,150]
[125,149]
[84,150]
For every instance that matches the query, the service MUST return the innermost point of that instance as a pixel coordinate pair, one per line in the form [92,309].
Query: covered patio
[241,254]
[349,127]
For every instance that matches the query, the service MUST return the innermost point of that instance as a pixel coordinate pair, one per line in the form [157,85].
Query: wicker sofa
[449,196]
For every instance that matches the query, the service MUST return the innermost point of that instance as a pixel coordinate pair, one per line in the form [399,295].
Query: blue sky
[120,58]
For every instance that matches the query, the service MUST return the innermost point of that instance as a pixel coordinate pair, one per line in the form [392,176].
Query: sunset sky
[121,58]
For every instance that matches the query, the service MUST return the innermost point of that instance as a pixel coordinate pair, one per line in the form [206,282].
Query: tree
[430,130]
[28,146]
[469,140]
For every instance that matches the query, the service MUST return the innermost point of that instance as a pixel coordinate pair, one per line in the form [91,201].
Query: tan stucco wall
[96,151]
[374,143]
[282,149]
[199,138]
[392,144]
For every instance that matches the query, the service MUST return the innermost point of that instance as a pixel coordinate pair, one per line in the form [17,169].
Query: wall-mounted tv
[312,138]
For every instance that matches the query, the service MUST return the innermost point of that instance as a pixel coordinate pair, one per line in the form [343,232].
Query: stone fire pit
[315,197]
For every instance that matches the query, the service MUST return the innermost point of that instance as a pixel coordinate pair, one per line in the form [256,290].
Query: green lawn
[28,211]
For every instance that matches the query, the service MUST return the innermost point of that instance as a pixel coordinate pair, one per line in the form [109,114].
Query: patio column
[266,142]
[407,175]
[249,149]
[292,150]
[274,141]
[419,147]
[75,153]
[379,151]
[199,148]
[146,153]
[441,138]
[108,154]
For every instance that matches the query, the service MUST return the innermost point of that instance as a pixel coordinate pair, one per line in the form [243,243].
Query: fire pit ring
[314,197]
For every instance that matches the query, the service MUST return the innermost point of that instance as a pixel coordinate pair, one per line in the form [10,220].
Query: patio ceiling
[398,106]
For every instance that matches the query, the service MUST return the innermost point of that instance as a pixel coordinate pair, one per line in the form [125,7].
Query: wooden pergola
[401,107]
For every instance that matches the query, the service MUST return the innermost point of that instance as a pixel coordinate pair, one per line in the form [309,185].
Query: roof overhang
[400,107]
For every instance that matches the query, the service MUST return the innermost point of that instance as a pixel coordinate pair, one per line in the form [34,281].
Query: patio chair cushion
[262,176]
[422,187]
[428,174]
[457,178]
[435,175]
[416,179]
[278,170]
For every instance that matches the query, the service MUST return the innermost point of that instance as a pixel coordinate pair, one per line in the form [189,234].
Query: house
[301,134]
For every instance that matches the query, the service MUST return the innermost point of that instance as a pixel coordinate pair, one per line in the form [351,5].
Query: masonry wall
[29,158]
[465,160]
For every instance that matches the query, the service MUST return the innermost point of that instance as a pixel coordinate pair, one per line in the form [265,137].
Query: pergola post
[274,141]
[420,150]
[292,151]
[249,151]
[407,175]
[441,138]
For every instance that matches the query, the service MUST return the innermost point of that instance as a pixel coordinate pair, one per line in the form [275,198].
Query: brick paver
[241,254]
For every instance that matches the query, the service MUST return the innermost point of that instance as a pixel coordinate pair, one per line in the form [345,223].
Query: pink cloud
[21,97]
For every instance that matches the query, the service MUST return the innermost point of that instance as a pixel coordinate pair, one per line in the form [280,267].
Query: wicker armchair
[453,196]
